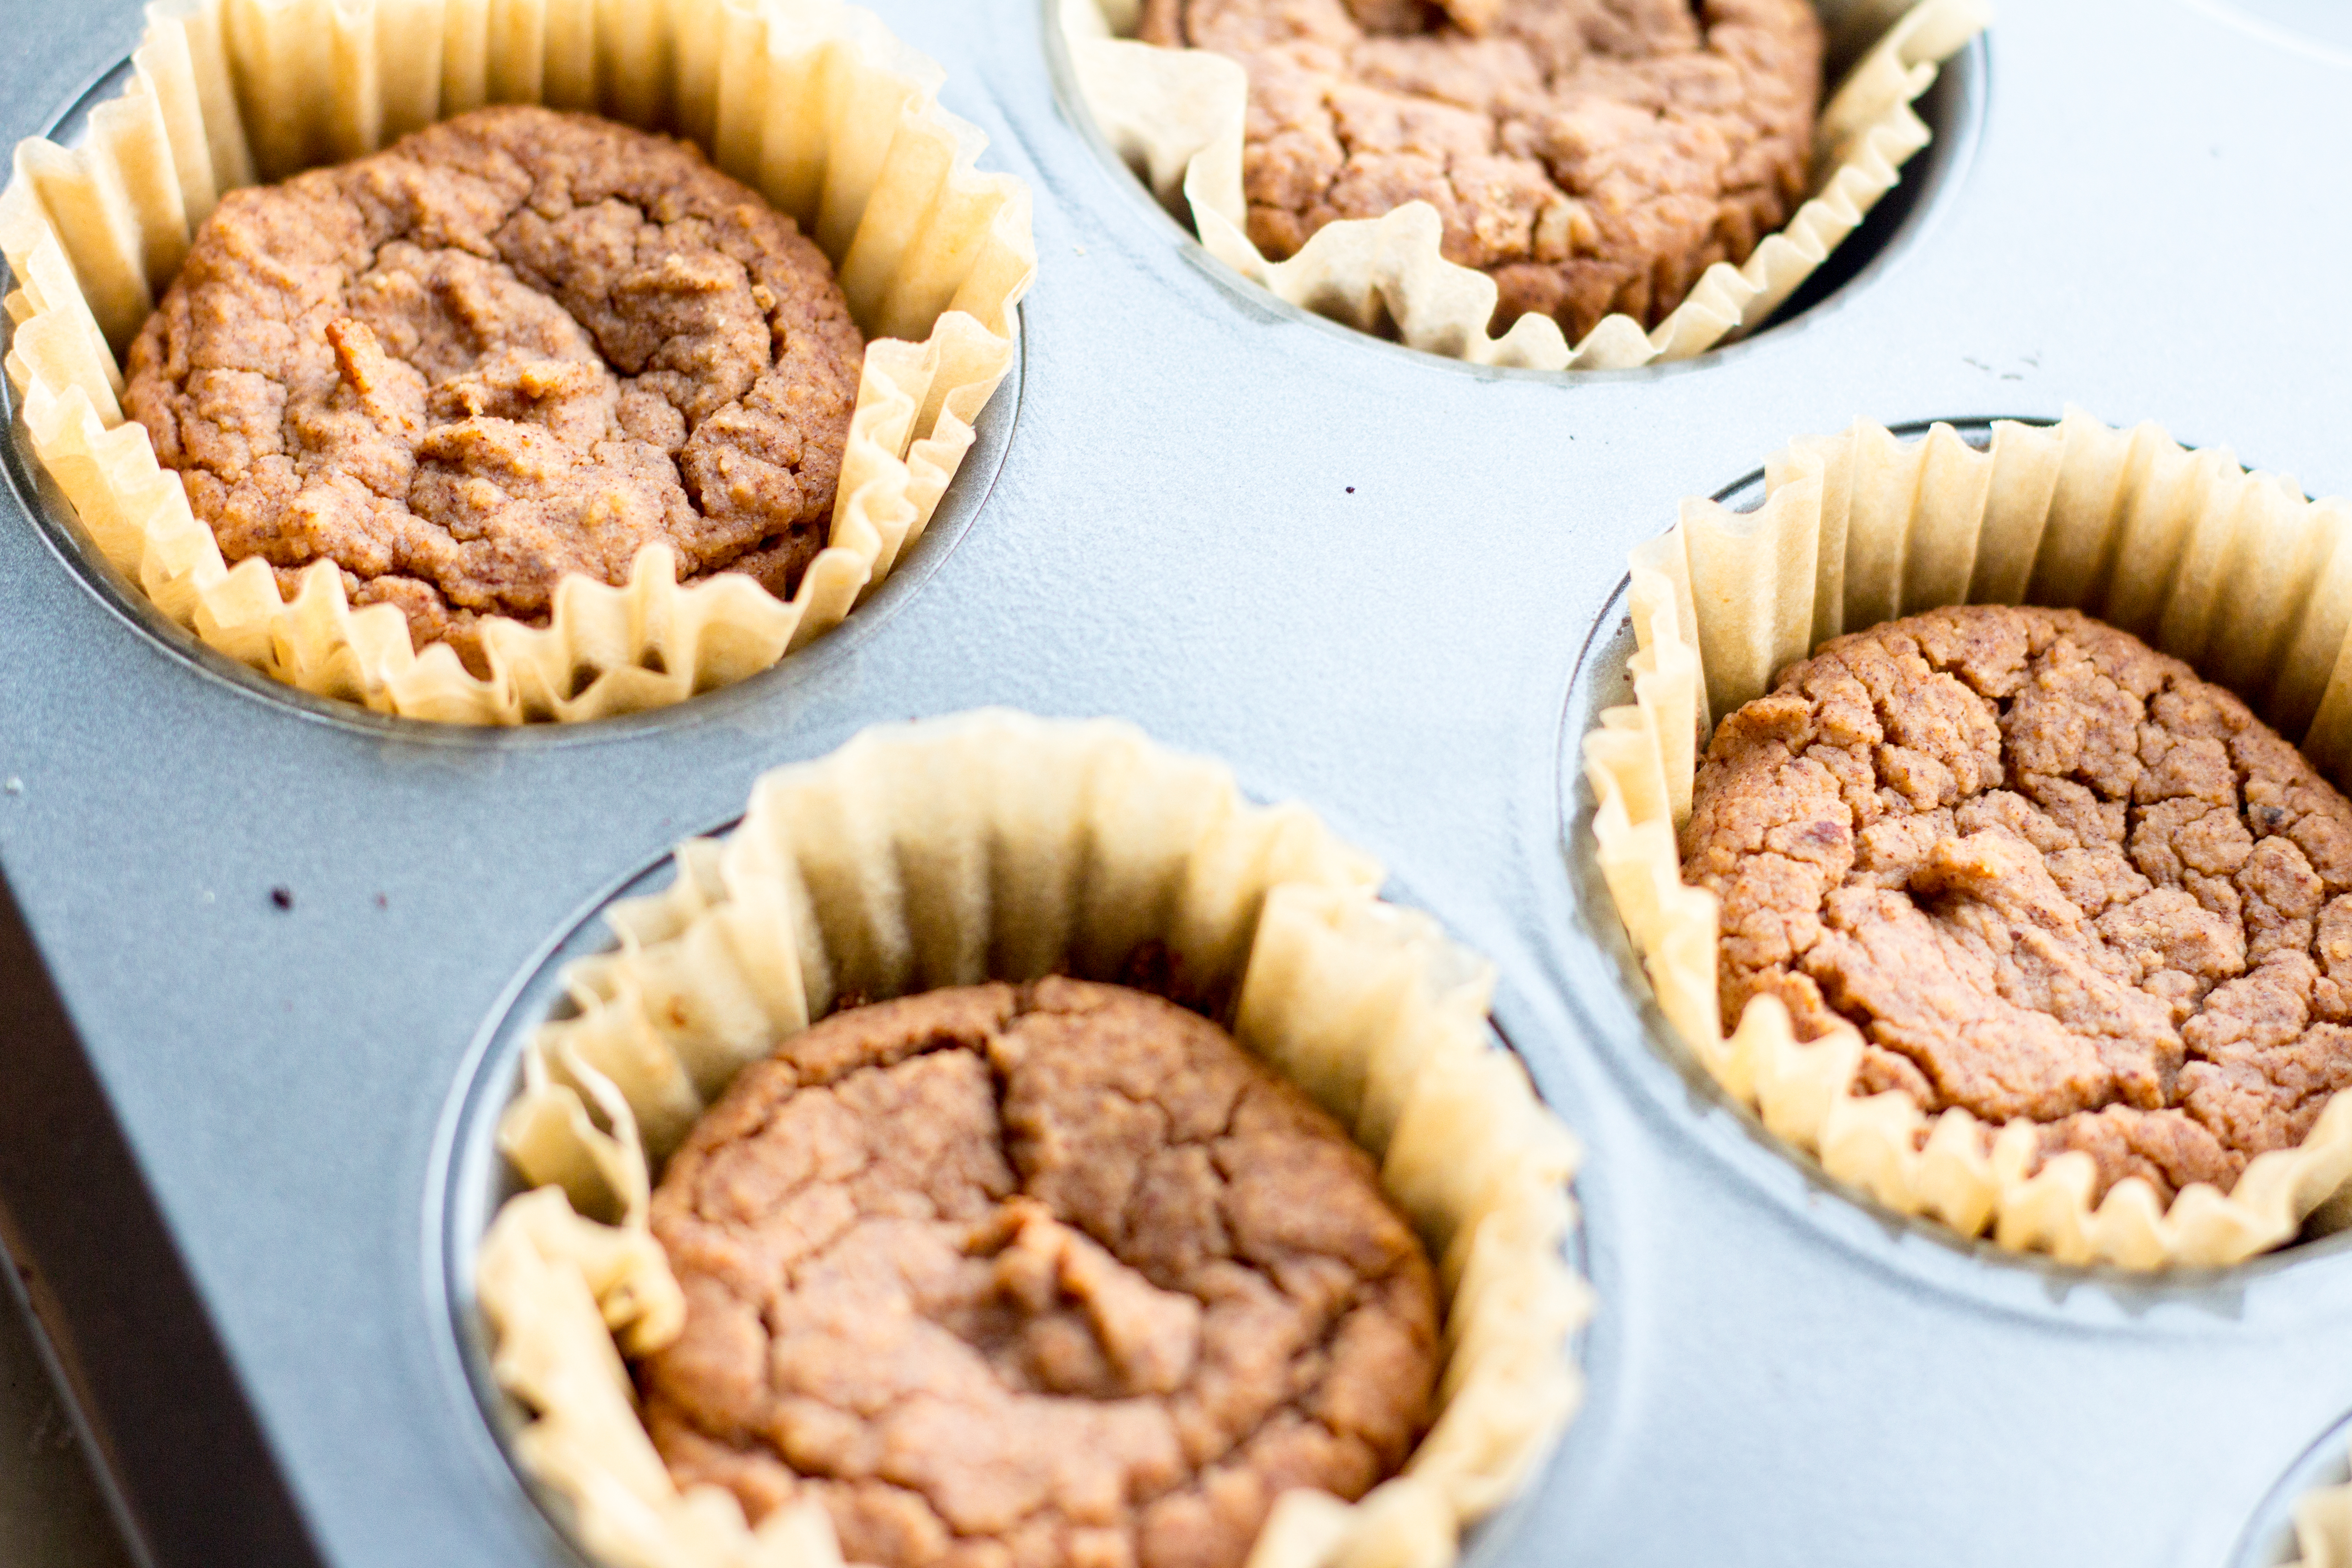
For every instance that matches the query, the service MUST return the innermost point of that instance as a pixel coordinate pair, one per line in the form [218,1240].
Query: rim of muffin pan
[467,1179]
[38,495]
[1608,993]
[1955,108]
[2320,30]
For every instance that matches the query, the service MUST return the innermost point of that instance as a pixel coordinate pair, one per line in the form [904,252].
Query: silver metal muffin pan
[236,1148]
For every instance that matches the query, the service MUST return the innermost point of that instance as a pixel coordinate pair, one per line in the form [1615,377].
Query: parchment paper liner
[1176,117]
[810,101]
[995,846]
[2235,572]
[2323,1528]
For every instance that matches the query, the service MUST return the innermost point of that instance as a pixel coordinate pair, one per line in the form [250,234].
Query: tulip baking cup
[1176,117]
[997,847]
[2236,574]
[810,103]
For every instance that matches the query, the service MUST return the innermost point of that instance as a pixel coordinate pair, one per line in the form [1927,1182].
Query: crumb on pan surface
[2049,874]
[1593,157]
[1053,1275]
[514,345]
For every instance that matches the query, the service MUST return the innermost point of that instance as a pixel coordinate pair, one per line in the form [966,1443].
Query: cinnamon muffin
[1055,1274]
[2047,873]
[514,345]
[1593,157]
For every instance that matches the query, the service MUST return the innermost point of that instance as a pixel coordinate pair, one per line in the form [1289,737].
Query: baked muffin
[938,1238]
[1593,157]
[514,345]
[2048,874]
[1055,1274]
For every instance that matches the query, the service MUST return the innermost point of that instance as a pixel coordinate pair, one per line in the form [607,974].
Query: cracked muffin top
[2047,873]
[513,345]
[1592,156]
[1026,1277]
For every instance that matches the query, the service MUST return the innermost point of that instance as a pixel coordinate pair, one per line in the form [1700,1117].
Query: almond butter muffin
[2047,873]
[1593,157]
[1030,1276]
[514,345]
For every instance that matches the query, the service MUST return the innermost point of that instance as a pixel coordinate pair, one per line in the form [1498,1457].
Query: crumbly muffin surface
[2047,873]
[1018,1278]
[513,345]
[1593,157]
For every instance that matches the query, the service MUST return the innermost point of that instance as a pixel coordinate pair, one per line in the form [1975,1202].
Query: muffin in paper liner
[993,845]
[2237,574]
[1176,117]
[810,103]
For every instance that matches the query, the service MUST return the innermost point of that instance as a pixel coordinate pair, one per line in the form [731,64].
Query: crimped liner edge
[1176,117]
[2323,1528]
[2237,574]
[810,101]
[995,846]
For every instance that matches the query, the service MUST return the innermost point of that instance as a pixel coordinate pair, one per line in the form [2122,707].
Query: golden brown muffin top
[1593,156]
[2047,873]
[1049,1276]
[513,345]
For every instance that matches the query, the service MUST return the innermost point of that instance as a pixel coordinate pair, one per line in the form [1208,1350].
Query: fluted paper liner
[996,846]
[2323,1528]
[2237,574]
[1176,117]
[810,103]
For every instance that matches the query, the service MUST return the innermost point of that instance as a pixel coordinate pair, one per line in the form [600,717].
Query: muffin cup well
[2236,574]
[1176,117]
[993,845]
[810,103]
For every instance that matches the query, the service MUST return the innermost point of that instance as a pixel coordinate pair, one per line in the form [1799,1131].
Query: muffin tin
[236,1151]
